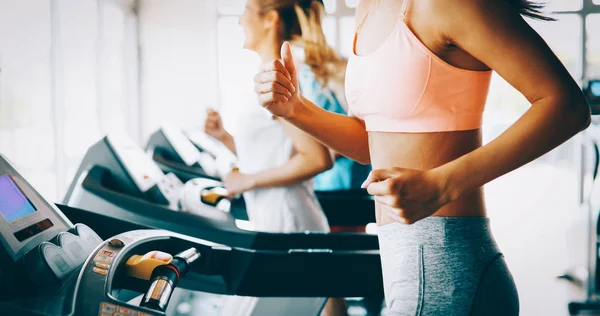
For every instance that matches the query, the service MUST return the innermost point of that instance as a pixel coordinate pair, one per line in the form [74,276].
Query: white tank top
[261,144]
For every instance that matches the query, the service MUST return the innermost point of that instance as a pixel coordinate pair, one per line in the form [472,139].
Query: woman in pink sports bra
[416,85]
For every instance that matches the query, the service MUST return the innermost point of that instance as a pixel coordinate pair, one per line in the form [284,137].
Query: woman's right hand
[277,84]
[213,126]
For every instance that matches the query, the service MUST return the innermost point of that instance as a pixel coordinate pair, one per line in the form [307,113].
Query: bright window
[78,83]
[113,79]
[564,37]
[330,6]
[27,135]
[352,3]
[563,5]
[178,68]
[63,87]
[593,46]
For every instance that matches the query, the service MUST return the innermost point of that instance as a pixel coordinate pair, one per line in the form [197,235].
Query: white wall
[65,81]
[177,62]
[26,129]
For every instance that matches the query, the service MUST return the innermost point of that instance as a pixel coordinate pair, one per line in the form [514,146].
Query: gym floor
[531,227]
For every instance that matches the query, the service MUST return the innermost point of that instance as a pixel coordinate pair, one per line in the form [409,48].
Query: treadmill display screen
[13,203]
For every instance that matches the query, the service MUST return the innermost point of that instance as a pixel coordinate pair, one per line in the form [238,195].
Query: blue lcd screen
[13,203]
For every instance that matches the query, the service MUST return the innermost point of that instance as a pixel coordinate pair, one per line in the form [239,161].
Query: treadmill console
[38,242]
[189,153]
[26,218]
[144,172]
[222,158]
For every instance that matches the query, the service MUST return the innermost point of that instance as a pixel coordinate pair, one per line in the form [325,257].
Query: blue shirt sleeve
[313,91]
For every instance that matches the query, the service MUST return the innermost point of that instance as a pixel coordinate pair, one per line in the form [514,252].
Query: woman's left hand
[410,194]
[237,183]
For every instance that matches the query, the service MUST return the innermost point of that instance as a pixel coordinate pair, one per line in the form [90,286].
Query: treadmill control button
[108,308]
[116,243]
[102,265]
[100,271]
[127,311]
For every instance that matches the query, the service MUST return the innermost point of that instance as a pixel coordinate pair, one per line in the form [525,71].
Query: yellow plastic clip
[213,195]
[141,267]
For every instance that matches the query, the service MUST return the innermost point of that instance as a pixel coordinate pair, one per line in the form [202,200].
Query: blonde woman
[276,160]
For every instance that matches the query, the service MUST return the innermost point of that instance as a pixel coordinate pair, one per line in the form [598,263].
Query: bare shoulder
[452,19]
[495,33]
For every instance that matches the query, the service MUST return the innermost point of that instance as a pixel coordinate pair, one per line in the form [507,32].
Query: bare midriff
[424,151]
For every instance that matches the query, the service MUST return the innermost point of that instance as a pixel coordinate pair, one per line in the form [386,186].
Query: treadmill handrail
[154,216]
[237,271]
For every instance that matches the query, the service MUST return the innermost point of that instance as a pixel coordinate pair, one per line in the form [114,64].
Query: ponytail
[322,59]
[300,23]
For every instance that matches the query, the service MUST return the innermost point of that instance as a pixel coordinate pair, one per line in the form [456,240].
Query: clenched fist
[410,195]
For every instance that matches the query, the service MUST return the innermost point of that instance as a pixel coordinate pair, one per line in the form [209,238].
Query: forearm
[542,128]
[297,169]
[344,135]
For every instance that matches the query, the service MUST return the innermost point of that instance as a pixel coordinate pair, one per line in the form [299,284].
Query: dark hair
[532,10]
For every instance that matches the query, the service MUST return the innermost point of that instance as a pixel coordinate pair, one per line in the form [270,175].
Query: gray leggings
[447,266]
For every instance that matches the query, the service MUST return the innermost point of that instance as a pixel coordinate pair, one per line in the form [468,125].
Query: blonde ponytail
[300,23]
[323,60]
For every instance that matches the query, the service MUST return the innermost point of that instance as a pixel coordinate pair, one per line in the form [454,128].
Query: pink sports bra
[403,87]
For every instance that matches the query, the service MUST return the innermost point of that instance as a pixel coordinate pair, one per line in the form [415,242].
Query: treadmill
[196,157]
[117,179]
[48,266]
